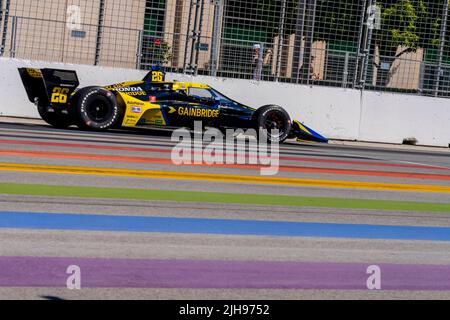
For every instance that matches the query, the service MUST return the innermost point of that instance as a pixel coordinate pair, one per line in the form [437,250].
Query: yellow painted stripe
[150,174]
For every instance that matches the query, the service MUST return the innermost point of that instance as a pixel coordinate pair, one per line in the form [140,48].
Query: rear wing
[49,86]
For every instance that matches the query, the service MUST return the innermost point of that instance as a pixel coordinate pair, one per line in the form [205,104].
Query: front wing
[303,133]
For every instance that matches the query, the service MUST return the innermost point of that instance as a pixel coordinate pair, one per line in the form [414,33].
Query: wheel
[55,118]
[270,118]
[95,108]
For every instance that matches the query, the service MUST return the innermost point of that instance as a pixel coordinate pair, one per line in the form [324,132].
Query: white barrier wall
[390,118]
[342,114]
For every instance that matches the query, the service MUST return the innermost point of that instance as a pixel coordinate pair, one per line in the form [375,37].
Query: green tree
[336,22]
[410,24]
[339,21]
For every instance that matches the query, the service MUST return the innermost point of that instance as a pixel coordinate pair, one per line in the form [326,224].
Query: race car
[152,102]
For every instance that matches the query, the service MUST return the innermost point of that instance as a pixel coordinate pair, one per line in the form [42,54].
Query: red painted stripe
[161,150]
[134,159]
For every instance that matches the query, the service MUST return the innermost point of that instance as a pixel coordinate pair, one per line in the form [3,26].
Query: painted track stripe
[314,152]
[87,222]
[106,136]
[377,163]
[149,174]
[212,274]
[210,197]
[298,169]
[129,136]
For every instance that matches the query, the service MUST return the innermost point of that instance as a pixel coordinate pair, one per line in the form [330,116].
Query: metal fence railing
[388,45]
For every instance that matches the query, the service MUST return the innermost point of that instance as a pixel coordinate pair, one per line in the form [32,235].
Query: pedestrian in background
[257,62]
[260,60]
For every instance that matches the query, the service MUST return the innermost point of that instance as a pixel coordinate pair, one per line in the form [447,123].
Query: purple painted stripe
[127,273]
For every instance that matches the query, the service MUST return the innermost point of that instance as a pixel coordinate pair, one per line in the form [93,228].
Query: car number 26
[59,95]
[157,76]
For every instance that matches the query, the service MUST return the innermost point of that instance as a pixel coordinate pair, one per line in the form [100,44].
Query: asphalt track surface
[140,227]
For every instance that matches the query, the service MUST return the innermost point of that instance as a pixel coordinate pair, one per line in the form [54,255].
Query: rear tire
[95,108]
[55,118]
[269,118]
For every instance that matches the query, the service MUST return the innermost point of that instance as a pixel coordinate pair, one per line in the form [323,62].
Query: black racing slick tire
[95,108]
[55,118]
[270,118]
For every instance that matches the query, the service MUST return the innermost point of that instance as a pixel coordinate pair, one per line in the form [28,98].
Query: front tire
[55,118]
[270,118]
[96,109]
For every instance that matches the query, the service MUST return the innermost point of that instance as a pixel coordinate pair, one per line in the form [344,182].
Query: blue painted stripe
[52,221]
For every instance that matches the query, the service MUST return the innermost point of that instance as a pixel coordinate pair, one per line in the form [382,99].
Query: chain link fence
[389,45]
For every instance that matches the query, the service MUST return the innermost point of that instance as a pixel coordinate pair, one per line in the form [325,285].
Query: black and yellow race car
[151,102]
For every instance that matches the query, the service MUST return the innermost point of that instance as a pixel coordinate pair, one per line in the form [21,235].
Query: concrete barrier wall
[389,117]
[342,114]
